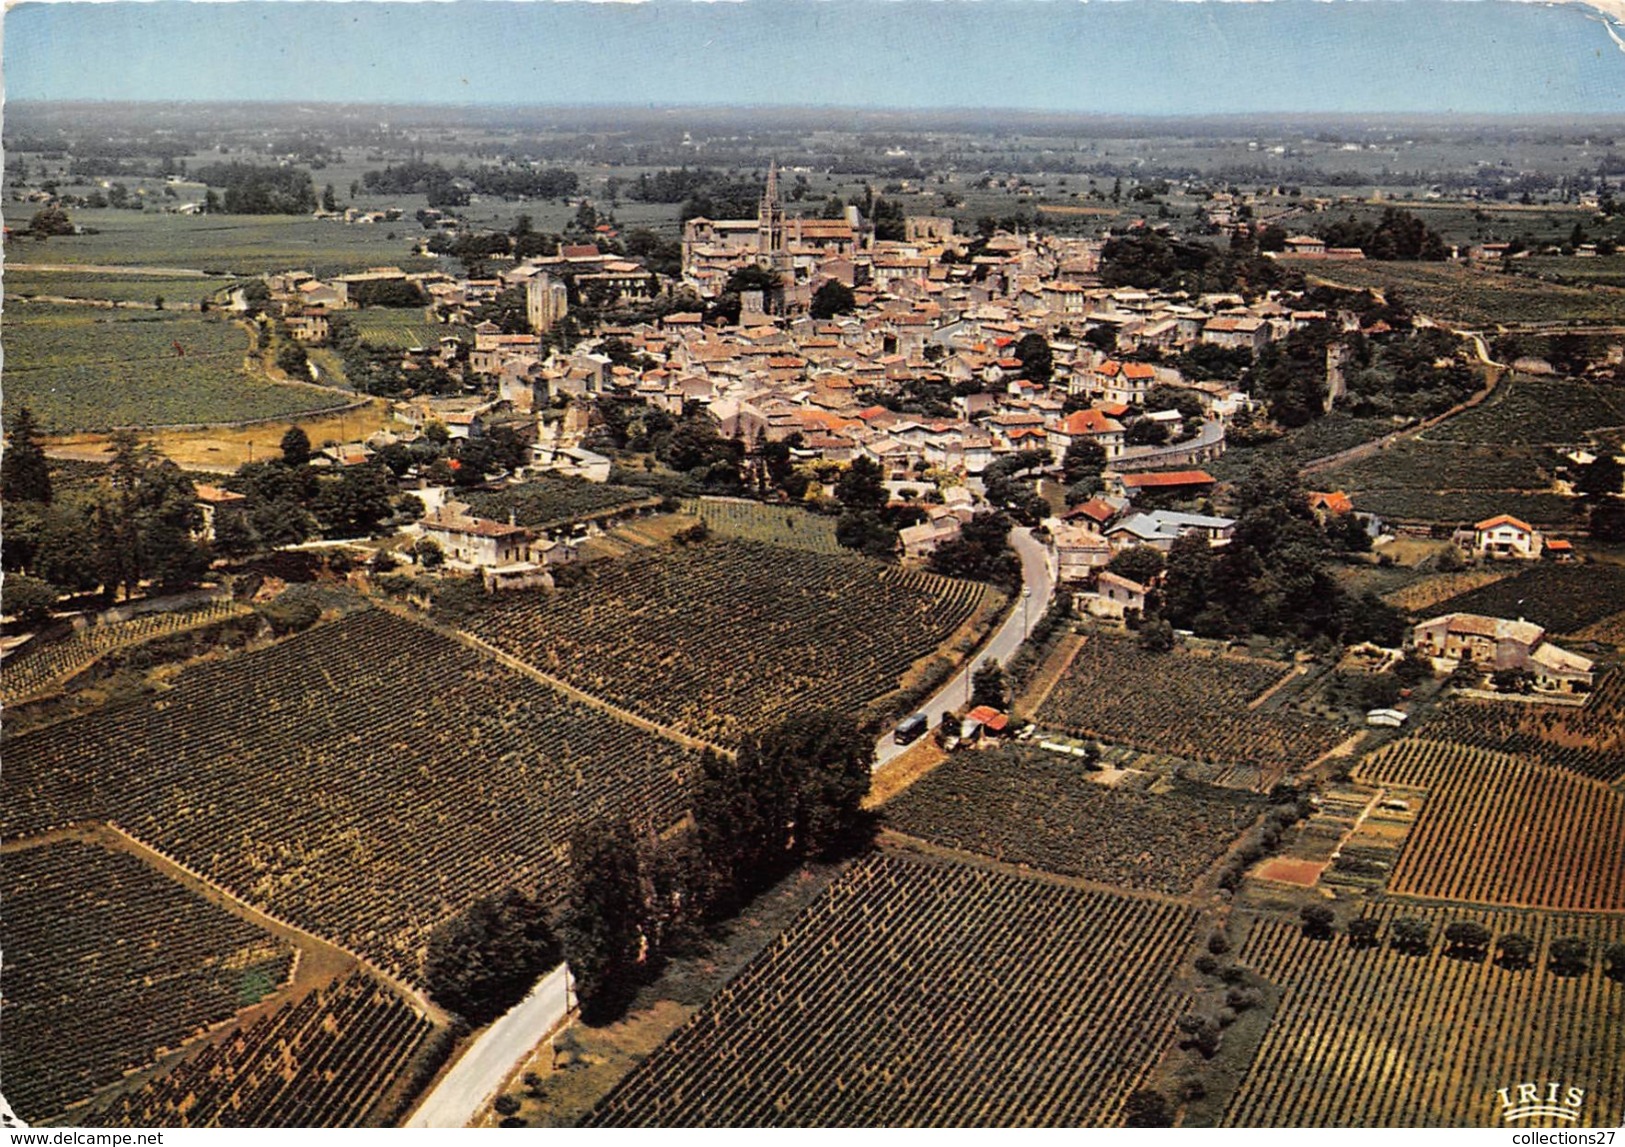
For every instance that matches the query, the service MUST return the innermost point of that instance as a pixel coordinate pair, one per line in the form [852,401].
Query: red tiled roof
[1088,422]
[1337,502]
[1168,478]
[1094,509]
[988,717]
[1503,520]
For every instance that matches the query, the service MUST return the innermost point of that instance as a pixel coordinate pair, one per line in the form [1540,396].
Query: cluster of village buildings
[927,307]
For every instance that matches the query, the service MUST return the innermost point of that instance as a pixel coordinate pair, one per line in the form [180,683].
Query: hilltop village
[938,358]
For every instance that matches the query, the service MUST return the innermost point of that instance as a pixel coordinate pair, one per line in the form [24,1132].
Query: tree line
[256,189]
[451,187]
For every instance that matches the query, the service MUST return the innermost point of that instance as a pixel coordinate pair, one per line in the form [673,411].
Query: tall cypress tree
[25,473]
[603,924]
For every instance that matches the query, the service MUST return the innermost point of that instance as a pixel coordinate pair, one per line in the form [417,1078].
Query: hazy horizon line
[914,112]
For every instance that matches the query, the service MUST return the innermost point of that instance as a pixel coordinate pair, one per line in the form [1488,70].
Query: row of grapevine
[324,1061]
[106,965]
[1500,829]
[787,526]
[35,671]
[1040,809]
[1563,597]
[926,993]
[364,779]
[719,638]
[1183,704]
[1379,1037]
[1589,740]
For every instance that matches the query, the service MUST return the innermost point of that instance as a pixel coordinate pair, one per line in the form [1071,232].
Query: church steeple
[770,217]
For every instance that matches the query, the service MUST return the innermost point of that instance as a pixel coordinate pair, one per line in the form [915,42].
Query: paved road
[1038,579]
[474,1079]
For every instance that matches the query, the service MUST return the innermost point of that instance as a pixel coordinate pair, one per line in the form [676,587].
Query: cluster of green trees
[387,293]
[791,794]
[49,221]
[1466,940]
[451,187]
[1416,373]
[483,961]
[1009,483]
[138,524]
[867,523]
[673,185]
[832,298]
[289,501]
[1274,576]
[1398,235]
[981,552]
[1151,260]
[257,189]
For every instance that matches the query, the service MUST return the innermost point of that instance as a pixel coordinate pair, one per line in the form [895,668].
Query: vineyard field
[1562,598]
[786,526]
[364,779]
[718,638]
[225,244]
[550,500]
[1503,830]
[116,288]
[37,671]
[1410,464]
[1183,704]
[1031,807]
[1530,411]
[920,993]
[106,963]
[391,328]
[1589,740]
[1456,507]
[1420,596]
[1374,1037]
[1474,296]
[82,369]
[324,1061]
[1495,458]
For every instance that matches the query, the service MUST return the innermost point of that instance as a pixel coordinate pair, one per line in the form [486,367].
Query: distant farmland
[87,369]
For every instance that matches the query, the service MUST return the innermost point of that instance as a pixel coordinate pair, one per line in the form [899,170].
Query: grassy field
[1469,295]
[84,369]
[229,244]
[116,288]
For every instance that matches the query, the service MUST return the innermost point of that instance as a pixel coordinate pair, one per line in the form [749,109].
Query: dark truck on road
[912,729]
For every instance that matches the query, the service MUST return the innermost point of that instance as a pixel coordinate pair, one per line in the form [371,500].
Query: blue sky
[1151,57]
